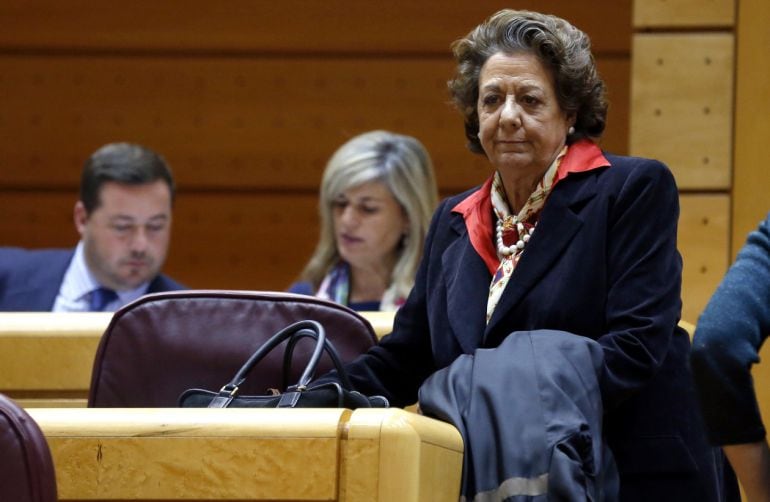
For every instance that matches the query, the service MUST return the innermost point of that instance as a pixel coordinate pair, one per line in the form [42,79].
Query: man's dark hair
[125,163]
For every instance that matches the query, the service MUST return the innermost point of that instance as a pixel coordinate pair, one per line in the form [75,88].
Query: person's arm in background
[751,462]
[727,339]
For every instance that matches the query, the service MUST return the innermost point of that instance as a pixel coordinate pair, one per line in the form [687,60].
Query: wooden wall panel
[616,73]
[247,101]
[684,13]
[289,26]
[681,108]
[751,201]
[237,122]
[703,239]
[243,241]
[229,122]
[34,219]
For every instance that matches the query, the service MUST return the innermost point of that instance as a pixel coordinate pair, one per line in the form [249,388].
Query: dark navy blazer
[603,264]
[30,279]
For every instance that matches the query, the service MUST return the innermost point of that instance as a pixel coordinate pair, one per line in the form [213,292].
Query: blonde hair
[403,165]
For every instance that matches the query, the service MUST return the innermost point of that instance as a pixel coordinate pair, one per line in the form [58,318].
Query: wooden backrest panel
[238,123]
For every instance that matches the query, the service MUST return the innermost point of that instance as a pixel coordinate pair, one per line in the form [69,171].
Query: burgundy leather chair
[164,343]
[26,468]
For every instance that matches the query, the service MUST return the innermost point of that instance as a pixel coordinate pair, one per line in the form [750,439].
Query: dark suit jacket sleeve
[644,277]
[729,333]
[30,279]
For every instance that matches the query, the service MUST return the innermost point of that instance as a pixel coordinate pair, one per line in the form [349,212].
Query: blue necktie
[100,298]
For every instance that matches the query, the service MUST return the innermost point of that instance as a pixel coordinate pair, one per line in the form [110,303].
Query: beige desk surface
[238,454]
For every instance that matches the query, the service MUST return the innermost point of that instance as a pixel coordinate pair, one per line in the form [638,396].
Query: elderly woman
[377,194]
[564,237]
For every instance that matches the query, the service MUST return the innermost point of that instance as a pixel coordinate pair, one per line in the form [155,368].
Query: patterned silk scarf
[528,216]
[336,287]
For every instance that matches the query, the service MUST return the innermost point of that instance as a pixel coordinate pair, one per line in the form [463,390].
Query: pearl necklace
[523,240]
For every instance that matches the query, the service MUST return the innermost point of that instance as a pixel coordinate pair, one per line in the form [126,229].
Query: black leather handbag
[327,394]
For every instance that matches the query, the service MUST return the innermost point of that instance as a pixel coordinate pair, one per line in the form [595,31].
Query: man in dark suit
[123,217]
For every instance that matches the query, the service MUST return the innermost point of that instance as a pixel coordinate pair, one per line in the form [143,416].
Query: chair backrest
[26,468]
[162,344]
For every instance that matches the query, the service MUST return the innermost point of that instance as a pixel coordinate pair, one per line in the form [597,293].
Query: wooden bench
[250,454]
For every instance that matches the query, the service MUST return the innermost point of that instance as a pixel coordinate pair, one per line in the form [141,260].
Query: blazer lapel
[467,282]
[558,224]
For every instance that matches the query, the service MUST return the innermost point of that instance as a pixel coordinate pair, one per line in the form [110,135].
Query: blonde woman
[377,196]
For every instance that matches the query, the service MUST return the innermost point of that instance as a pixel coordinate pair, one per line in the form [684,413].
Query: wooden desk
[46,358]
[239,454]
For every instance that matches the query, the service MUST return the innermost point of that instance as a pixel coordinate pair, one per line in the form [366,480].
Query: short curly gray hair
[561,47]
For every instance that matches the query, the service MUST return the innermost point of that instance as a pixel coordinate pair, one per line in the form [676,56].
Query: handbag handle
[308,328]
[328,347]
